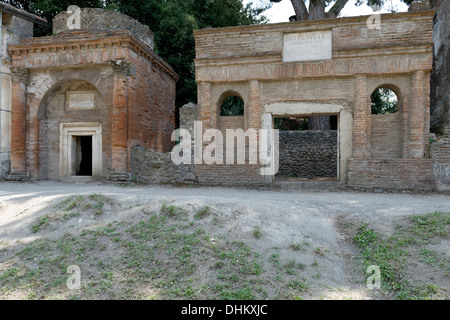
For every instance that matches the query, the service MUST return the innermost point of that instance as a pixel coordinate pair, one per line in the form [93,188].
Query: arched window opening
[232,106]
[384,101]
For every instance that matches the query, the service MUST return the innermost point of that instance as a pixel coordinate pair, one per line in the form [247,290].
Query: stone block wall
[158,168]
[308,154]
[97,19]
[440,153]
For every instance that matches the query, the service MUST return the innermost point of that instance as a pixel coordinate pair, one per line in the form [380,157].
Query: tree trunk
[317,12]
[316,9]
[319,123]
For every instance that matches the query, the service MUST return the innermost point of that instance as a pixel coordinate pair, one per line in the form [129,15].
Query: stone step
[17,176]
[119,177]
[309,185]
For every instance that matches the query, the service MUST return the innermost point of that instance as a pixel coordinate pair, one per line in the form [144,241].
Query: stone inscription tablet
[81,100]
[307,46]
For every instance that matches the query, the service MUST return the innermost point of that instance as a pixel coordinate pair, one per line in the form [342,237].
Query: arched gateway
[330,68]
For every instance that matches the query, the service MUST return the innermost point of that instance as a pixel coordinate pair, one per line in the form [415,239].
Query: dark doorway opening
[84,156]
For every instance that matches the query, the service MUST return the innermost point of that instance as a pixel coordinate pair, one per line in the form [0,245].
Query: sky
[280,12]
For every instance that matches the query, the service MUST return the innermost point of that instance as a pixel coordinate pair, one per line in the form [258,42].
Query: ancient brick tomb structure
[82,99]
[326,67]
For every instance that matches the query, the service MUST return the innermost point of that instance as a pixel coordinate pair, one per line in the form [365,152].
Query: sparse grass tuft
[298,285]
[42,222]
[172,211]
[392,254]
[257,233]
[202,213]
[72,207]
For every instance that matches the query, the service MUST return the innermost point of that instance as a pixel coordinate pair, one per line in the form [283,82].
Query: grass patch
[155,257]
[72,207]
[392,254]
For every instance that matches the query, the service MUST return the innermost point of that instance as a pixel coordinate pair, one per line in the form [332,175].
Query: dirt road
[283,217]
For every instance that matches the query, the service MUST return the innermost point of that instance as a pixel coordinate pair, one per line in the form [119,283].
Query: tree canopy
[384,100]
[317,8]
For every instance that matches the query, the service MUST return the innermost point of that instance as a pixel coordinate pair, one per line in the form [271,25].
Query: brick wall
[350,33]
[234,122]
[229,174]
[248,60]
[151,98]
[386,136]
[391,173]
[137,86]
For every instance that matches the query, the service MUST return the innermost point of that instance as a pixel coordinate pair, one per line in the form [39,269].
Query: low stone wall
[440,152]
[308,154]
[158,168]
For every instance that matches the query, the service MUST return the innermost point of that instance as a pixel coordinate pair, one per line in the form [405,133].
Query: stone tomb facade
[82,99]
[326,67]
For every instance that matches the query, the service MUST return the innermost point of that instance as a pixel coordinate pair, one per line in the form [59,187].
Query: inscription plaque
[81,100]
[307,46]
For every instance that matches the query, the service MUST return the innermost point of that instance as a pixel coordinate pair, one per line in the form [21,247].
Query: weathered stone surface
[158,168]
[440,153]
[440,84]
[308,154]
[96,19]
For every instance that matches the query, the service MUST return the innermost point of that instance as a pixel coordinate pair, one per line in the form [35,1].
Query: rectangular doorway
[83,156]
[306,154]
[81,150]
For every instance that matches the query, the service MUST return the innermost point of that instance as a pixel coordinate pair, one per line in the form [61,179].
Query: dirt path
[284,218]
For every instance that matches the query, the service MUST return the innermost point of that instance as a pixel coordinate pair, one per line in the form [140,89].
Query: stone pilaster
[119,134]
[362,120]
[254,106]
[20,79]
[208,114]
[417,116]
